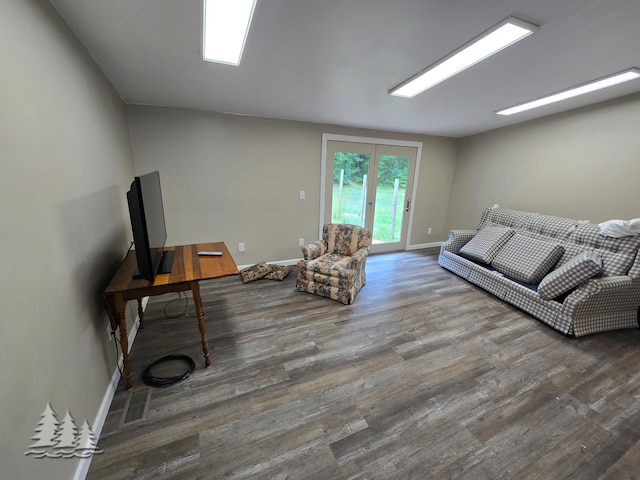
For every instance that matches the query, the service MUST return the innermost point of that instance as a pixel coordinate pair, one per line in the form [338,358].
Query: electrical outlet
[109,334]
[241,247]
[429,231]
[301,242]
[302,194]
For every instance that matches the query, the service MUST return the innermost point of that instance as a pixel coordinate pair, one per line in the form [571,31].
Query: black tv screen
[148,225]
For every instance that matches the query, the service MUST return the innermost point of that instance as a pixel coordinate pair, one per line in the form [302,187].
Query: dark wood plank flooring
[425,376]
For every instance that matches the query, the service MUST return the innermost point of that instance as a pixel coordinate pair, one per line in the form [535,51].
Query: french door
[370,184]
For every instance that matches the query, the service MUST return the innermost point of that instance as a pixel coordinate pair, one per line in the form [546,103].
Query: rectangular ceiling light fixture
[611,80]
[226,25]
[502,35]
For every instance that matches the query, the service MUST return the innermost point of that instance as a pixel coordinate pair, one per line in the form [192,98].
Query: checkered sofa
[562,271]
[334,267]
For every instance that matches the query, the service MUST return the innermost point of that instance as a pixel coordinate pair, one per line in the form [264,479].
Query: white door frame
[327,137]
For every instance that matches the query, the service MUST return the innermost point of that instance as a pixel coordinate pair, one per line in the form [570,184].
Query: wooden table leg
[195,291]
[120,305]
[140,314]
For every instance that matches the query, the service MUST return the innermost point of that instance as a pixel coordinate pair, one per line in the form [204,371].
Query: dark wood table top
[188,266]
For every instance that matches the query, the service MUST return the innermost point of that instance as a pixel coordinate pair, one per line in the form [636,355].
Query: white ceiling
[333,61]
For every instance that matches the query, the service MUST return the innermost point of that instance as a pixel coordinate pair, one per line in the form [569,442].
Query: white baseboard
[424,245]
[101,416]
[292,261]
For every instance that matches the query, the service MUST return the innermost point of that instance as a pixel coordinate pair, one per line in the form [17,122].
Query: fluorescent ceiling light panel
[226,25]
[507,32]
[589,87]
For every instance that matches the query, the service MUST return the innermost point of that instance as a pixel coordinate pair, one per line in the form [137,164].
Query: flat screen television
[148,226]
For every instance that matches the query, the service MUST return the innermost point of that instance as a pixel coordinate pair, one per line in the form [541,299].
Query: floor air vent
[135,409]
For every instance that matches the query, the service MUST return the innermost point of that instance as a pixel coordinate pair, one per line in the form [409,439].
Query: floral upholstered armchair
[334,267]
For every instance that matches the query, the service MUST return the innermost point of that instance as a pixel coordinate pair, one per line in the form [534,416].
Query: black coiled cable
[154,381]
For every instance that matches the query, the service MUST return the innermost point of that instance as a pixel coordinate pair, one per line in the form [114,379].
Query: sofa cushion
[486,243]
[526,259]
[580,268]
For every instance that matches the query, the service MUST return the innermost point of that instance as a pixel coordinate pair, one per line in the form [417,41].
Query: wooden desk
[187,270]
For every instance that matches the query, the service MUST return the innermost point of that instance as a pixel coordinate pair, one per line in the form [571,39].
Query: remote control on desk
[210,254]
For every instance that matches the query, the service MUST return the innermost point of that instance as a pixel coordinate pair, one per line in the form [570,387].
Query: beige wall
[237,179]
[583,164]
[65,160]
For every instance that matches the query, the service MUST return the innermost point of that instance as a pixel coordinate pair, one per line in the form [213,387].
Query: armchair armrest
[314,250]
[457,239]
[359,258]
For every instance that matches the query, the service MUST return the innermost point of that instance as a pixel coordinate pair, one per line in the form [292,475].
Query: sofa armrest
[457,239]
[605,297]
[314,250]
[595,286]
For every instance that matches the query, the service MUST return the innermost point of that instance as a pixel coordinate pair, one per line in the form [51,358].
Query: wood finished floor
[425,376]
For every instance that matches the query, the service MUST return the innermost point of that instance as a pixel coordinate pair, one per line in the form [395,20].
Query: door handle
[408,206]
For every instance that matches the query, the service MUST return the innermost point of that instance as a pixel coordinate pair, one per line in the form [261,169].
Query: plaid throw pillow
[486,243]
[577,270]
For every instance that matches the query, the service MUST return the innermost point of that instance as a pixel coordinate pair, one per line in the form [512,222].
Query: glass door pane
[394,169]
[390,198]
[350,188]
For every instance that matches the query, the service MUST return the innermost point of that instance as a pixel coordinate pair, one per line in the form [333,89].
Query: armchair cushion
[255,272]
[278,272]
[264,270]
[331,264]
